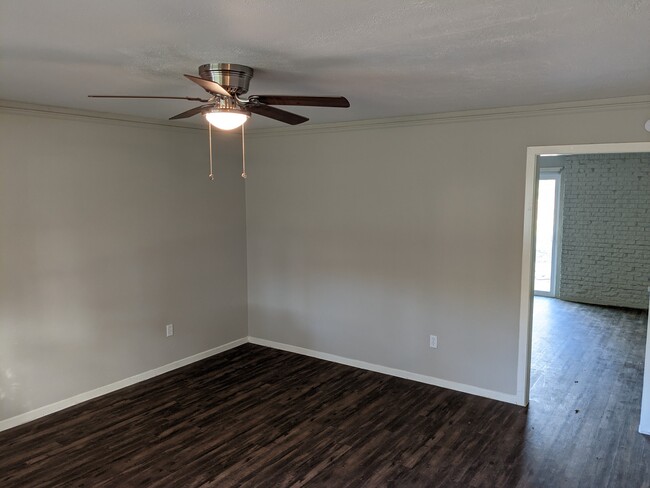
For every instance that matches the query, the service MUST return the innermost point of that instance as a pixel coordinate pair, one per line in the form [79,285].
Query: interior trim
[387,122]
[584,106]
[399,373]
[8,106]
[527,257]
[103,390]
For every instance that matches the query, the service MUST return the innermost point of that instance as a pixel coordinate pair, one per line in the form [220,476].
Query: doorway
[534,156]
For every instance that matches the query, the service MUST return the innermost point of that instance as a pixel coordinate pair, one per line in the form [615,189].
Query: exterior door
[547,231]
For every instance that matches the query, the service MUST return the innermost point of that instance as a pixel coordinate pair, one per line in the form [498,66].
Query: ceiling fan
[226,82]
[224,109]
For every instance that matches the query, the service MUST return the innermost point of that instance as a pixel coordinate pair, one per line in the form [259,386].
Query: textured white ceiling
[389,57]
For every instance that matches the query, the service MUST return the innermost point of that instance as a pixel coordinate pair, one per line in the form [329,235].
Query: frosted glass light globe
[226,120]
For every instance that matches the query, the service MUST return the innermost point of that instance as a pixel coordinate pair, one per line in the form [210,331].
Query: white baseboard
[644,429]
[103,390]
[430,380]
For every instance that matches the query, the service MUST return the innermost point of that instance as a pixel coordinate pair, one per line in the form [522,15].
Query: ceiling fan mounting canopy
[235,78]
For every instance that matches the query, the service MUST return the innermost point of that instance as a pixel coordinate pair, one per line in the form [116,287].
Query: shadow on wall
[9,394]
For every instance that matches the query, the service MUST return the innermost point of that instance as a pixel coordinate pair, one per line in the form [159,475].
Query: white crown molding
[640,101]
[8,106]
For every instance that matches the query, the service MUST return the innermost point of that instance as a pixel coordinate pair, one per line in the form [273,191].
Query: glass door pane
[544,259]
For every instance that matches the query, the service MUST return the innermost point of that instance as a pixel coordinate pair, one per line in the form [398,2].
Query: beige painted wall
[109,231]
[365,238]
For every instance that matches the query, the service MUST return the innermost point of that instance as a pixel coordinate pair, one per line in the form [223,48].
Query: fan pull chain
[243,154]
[211,175]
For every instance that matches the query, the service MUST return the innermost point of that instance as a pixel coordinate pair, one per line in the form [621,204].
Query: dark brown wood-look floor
[259,417]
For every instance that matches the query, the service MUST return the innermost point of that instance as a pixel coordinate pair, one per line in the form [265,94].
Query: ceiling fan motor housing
[233,77]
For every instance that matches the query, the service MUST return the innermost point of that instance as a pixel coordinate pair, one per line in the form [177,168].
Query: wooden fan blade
[277,114]
[300,100]
[194,99]
[209,86]
[189,113]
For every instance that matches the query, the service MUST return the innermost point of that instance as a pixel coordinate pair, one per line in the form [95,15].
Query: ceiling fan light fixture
[227,119]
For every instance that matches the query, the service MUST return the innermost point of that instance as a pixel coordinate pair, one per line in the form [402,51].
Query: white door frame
[528,254]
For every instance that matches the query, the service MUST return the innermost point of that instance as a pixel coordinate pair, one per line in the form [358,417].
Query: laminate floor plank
[259,417]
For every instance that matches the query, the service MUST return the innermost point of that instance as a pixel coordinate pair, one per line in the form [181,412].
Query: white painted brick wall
[605,256]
